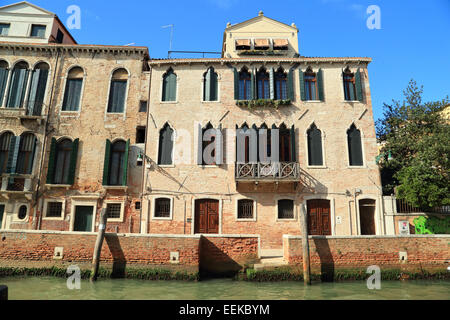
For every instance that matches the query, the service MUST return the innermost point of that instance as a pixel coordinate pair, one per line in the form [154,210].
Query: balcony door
[207,216]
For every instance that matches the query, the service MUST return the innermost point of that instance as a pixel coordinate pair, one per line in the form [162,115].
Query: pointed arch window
[5,150]
[354,146]
[349,85]
[17,87]
[311,85]
[207,143]
[169,86]
[118,91]
[25,157]
[245,85]
[38,87]
[210,85]
[4,72]
[72,93]
[165,145]
[266,144]
[244,129]
[263,84]
[281,92]
[287,142]
[315,156]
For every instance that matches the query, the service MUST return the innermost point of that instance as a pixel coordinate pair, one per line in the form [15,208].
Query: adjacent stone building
[315,112]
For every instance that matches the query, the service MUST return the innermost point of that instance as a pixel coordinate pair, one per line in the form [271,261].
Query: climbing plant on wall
[432,225]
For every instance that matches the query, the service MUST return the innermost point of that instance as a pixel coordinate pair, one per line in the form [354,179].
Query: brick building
[261,95]
[72,126]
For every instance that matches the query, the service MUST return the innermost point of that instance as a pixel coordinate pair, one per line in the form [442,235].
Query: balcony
[271,172]
[16,185]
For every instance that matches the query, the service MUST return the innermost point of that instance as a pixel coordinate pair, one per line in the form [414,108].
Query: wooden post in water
[305,247]
[3,293]
[98,245]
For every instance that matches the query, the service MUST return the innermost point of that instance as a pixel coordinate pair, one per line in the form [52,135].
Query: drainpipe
[44,143]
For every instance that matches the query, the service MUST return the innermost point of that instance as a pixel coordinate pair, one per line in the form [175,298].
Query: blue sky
[413,42]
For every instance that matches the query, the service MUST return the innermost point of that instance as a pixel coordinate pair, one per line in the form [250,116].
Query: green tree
[417,138]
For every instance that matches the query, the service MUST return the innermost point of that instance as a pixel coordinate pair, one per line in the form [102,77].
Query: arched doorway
[367,216]
[207,216]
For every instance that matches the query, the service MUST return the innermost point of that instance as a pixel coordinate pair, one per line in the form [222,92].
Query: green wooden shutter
[106,162]
[272,84]
[302,85]
[358,85]
[33,152]
[33,90]
[51,162]
[3,78]
[125,163]
[236,84]
[320,85]
[293,151]
[73,162]
[291,84]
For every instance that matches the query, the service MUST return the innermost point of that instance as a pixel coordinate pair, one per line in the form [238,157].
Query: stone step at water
[271,253]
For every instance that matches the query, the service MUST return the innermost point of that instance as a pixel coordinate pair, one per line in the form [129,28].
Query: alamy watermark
[374,19]
[374,281]
[74,279]
[74,20]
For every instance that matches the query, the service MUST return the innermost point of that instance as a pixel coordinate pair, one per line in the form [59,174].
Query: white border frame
[63,209]
[17,206]
[194,199]
[122,209]
[332,208]
[236,209]
[154,198]
[83,203]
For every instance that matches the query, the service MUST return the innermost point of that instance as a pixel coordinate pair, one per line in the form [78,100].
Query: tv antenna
[171,26]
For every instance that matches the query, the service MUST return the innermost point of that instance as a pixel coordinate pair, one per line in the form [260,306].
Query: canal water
[49,288]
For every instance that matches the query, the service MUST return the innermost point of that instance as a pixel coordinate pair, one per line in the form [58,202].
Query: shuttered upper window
[5,143]
[62,162]
[165,145]
[169,90]
[115,170]
[262,80]
[354,146]
[245,85]
[72,94]
[18,85]
[311,85]
[315,157]
[349,85]
[118,91]
[280,85]
[25,157]
[38,87]
[4,72]
[210,85]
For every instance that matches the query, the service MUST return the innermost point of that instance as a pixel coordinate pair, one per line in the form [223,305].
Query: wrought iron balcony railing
[289,171]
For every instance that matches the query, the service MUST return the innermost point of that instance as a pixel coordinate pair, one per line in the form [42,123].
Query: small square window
[113,210]
[59,37]
[140,134]
[4,29]
[285,209]
[54,210]
[162,208]
[137,205]
[143,106]
[38,31]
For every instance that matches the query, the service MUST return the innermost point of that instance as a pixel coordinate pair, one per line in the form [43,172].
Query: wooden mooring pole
[305,247]
[98,245]
[3,293]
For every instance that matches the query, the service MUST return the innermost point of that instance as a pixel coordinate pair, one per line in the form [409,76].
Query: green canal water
[49,288]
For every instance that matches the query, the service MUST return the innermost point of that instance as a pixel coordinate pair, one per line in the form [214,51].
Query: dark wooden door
[319,217]
[83,218]
[2,211]
[207,216]
[367,216]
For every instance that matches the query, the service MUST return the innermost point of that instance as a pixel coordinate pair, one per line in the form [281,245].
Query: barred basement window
[54,210]
[162,208]
[245,209]
[113,210]
[285,209]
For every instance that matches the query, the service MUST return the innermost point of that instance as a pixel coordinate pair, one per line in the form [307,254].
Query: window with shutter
[245,85]
[349,85]
[5,143]
[169,86]
[210,85]
[315,157]
[117,163]
[118,91]
[262,81]
[51,162]
[165,145]
[106,166]
[358,85]
[4,72]
[291,84]
[37,89]
[62,162]
[18,85]
[25,157]
[72,93]
[281,85]
[354,146]
[310,85]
